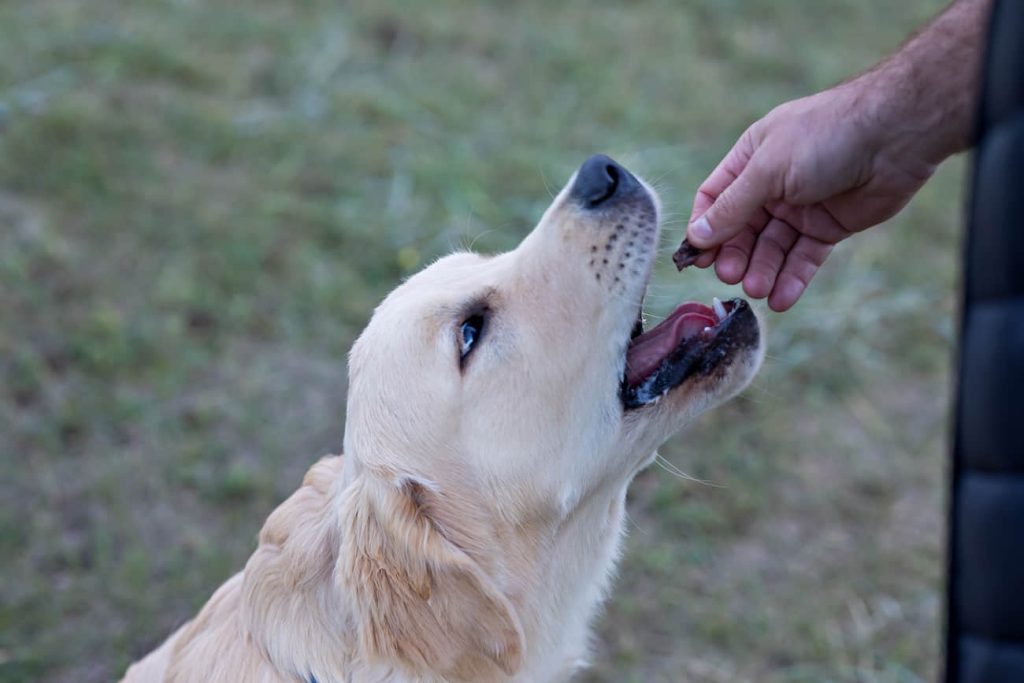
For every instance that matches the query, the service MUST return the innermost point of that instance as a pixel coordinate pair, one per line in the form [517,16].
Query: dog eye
[470,331]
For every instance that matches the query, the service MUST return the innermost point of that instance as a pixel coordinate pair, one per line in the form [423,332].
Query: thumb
[732,209]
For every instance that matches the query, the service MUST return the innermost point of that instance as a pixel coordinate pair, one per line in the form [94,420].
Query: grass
[200,204]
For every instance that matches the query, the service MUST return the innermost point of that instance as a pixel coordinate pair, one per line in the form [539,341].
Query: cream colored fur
[471,529]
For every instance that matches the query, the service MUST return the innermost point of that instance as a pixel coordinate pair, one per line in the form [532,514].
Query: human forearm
[922,98]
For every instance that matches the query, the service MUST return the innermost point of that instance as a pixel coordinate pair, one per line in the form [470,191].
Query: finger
[802,263]
[703,200]
[734,207]
[706,258]
[768,256]
[734,256]
[728,169]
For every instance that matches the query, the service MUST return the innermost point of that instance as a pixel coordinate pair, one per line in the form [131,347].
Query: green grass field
[201,202]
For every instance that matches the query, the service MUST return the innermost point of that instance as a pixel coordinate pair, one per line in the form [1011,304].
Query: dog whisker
[679,474]
[629,518]
[547,186]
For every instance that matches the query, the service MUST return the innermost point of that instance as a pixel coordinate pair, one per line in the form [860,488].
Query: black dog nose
[599,180]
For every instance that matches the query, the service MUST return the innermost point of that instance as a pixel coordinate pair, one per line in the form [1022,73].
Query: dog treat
[686,255]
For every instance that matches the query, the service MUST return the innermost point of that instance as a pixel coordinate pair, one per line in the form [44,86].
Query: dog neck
[337,585]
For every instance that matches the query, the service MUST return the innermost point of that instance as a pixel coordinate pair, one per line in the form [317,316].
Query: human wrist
[893,120]
[921,114]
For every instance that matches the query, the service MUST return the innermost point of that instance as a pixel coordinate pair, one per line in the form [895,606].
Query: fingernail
[700,229]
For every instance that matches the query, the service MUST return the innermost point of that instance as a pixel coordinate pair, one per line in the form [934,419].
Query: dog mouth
[694,340]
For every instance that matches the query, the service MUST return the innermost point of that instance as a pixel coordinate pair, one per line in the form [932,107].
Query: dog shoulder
[232,637]
[289,600]
[307,502]
[213,647]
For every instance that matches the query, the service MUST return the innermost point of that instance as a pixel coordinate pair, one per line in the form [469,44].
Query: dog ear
[418,597]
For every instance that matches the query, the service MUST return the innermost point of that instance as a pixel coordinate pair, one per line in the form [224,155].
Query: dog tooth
[719,308]
[707,329]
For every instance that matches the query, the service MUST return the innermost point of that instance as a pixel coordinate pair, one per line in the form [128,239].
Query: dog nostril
[613,173]
[598,180]
[612,183]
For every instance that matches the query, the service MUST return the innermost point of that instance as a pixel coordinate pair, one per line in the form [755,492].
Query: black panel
[992,378]
[990,529]
[983,661]
[1004,89]
[985,587]
[998,204]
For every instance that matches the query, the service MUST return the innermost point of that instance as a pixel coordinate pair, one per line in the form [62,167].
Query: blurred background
[201,202]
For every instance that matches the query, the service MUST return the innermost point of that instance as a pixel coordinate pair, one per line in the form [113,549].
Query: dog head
[510,388]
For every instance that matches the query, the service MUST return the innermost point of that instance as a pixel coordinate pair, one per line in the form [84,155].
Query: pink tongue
[647,351]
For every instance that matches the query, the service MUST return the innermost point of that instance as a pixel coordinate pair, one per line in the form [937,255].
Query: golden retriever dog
[498,408]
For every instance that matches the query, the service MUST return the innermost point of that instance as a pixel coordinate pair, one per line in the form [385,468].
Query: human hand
[803,178]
